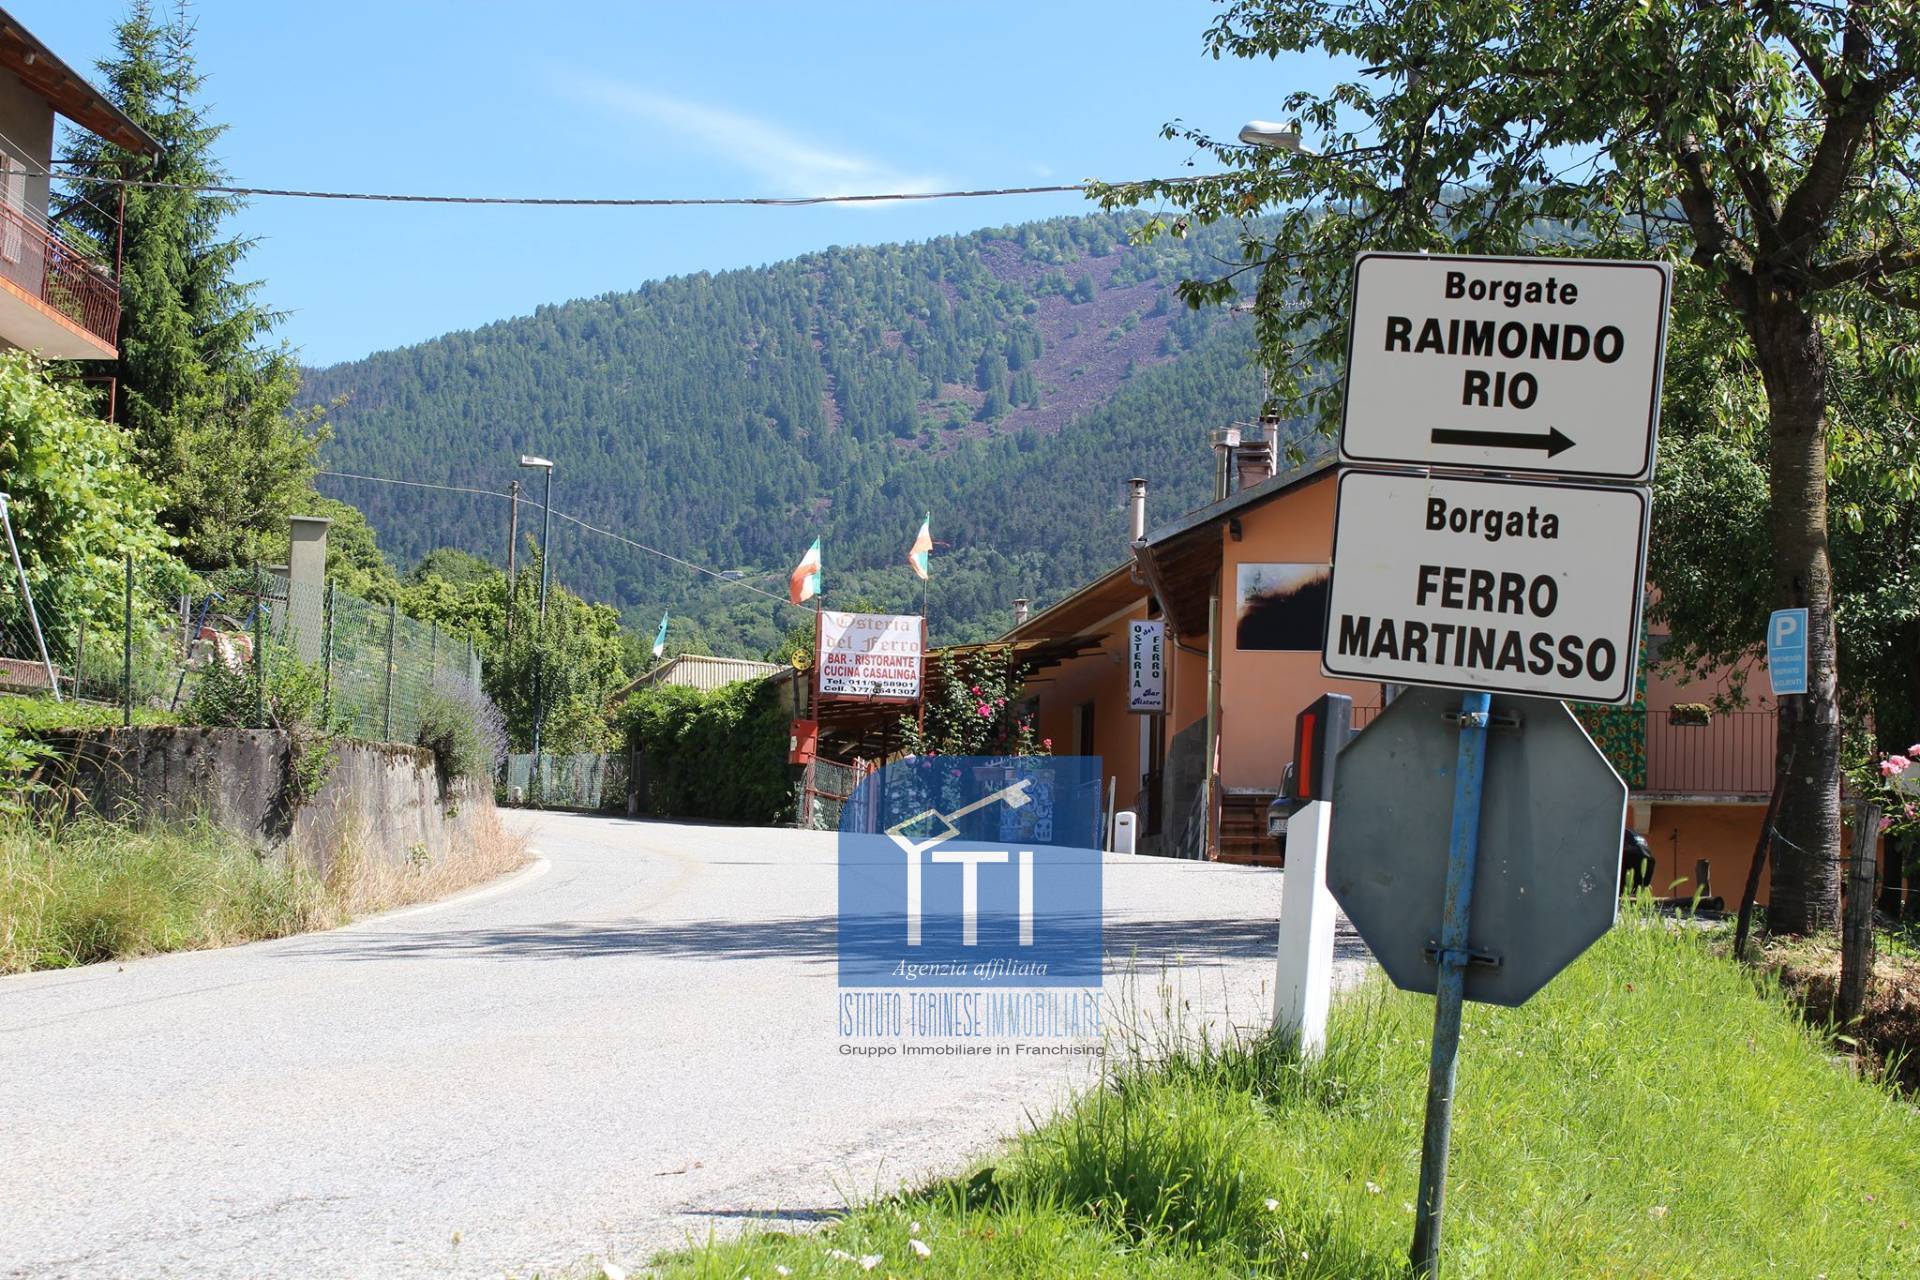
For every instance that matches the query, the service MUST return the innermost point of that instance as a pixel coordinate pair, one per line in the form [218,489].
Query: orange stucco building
[1237,580]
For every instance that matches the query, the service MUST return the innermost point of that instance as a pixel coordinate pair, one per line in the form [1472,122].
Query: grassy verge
[86,891]
[34,714]
[90,891]
[1650,1114]
[1885,1037]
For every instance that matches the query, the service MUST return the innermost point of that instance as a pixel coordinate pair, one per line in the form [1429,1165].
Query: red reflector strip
[1303,756]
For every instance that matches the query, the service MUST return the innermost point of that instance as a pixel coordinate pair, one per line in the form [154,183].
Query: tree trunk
[1806,857]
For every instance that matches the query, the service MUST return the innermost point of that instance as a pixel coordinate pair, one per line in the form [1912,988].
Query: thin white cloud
[787,163]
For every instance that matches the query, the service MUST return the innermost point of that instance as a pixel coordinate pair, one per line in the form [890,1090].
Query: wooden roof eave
[66,90]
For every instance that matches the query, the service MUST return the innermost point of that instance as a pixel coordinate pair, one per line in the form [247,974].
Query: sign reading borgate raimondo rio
[872,656]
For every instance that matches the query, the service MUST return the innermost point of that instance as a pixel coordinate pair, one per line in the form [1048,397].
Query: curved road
[628,1044]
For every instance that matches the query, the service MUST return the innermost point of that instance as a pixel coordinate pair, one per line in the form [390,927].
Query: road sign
[1547,873]
[1787,651]
[1525,587]
[1545,365]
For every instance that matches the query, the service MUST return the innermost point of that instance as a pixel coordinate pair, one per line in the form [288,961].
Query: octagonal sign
[1547,877]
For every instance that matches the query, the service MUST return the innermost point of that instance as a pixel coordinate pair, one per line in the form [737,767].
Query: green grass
[1653,1113]
[87,891]
[35,714]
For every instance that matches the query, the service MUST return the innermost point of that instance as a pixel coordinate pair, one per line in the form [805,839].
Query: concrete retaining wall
[383,798]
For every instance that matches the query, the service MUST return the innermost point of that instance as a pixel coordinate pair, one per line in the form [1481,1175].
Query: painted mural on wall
[1281,606]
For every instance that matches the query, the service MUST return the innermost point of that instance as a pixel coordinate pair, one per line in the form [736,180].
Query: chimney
[1136,509]
[1225,441]
[1020,607]
[1255,462]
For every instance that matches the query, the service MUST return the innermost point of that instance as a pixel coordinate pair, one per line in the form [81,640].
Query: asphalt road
[632,1043]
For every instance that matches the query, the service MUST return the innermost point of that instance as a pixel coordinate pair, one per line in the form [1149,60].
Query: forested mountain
[1007,381]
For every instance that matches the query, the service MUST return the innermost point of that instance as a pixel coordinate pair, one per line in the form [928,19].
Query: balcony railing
[1723,753]
[50,269]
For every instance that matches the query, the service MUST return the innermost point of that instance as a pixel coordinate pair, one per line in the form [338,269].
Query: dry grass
[361,883]
[85,890]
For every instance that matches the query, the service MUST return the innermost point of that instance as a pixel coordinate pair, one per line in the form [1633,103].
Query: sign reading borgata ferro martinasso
[1489,375]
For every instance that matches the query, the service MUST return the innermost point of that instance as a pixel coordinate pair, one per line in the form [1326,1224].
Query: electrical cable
[561,515]
[596,202]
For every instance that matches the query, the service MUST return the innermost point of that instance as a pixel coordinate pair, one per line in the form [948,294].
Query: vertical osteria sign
[1146,666]
[1500,424]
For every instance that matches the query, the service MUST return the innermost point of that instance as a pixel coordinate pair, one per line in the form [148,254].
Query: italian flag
[922,547]
[803,584]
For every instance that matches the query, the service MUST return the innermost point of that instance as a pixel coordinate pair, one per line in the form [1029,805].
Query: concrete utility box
[1546,882]
[1126,831]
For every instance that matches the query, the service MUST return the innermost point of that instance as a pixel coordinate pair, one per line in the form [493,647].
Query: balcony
[53,299]
[1679,753]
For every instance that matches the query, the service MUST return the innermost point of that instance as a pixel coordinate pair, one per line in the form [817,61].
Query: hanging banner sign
[1146,666]
[1512,586]
[1540,365]
[871,656]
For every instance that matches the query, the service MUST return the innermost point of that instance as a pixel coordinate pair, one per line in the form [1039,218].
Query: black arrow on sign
[1550,440]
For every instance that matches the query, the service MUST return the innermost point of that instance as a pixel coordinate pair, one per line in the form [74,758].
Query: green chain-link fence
[374,666]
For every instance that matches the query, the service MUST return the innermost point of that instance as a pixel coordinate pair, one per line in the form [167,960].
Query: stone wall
[387,800]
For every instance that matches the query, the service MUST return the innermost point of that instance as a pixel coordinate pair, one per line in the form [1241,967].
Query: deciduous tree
[1768,144]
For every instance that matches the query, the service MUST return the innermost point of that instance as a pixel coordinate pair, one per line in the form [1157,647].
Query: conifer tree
[202,390]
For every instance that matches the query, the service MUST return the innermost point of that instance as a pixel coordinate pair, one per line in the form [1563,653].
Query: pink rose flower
[1047,743]
[1914,750]
[984,710]
[1894,766]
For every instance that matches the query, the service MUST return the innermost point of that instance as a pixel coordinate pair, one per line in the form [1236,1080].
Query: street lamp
[539,653]
[1275,137]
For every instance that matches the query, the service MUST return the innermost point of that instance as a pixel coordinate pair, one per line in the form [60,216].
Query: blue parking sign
[1787,651]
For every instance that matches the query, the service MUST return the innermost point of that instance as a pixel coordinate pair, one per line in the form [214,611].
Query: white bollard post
[1303,977]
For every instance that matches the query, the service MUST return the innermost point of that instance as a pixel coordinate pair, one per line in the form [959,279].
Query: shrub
[464,730]
[295,694]
[719,755]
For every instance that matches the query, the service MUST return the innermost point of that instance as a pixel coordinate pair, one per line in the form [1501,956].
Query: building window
[1083,729]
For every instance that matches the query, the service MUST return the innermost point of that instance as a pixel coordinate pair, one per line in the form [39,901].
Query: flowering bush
[1891,781]
[973,710]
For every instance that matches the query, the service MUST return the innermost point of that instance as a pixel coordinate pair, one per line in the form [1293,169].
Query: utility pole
[513,557]
[540,629]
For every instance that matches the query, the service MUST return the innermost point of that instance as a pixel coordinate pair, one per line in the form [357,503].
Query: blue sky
[618,98]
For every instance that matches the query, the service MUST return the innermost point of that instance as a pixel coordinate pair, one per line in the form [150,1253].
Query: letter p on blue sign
[1787,651]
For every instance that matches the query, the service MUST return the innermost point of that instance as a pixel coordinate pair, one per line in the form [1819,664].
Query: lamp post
[540,631]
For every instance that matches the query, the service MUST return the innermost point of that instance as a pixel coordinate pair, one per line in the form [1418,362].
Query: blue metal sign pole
[1452,956]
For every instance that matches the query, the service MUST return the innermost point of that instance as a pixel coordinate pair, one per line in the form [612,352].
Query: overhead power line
[561,515]
[590,202]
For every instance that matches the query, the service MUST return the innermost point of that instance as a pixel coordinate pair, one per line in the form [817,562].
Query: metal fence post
[259,649]
[393,620]
[26,594]
[126,649]
[326,657]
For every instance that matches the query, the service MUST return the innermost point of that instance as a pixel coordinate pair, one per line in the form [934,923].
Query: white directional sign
[1510,586]
[1547,365]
